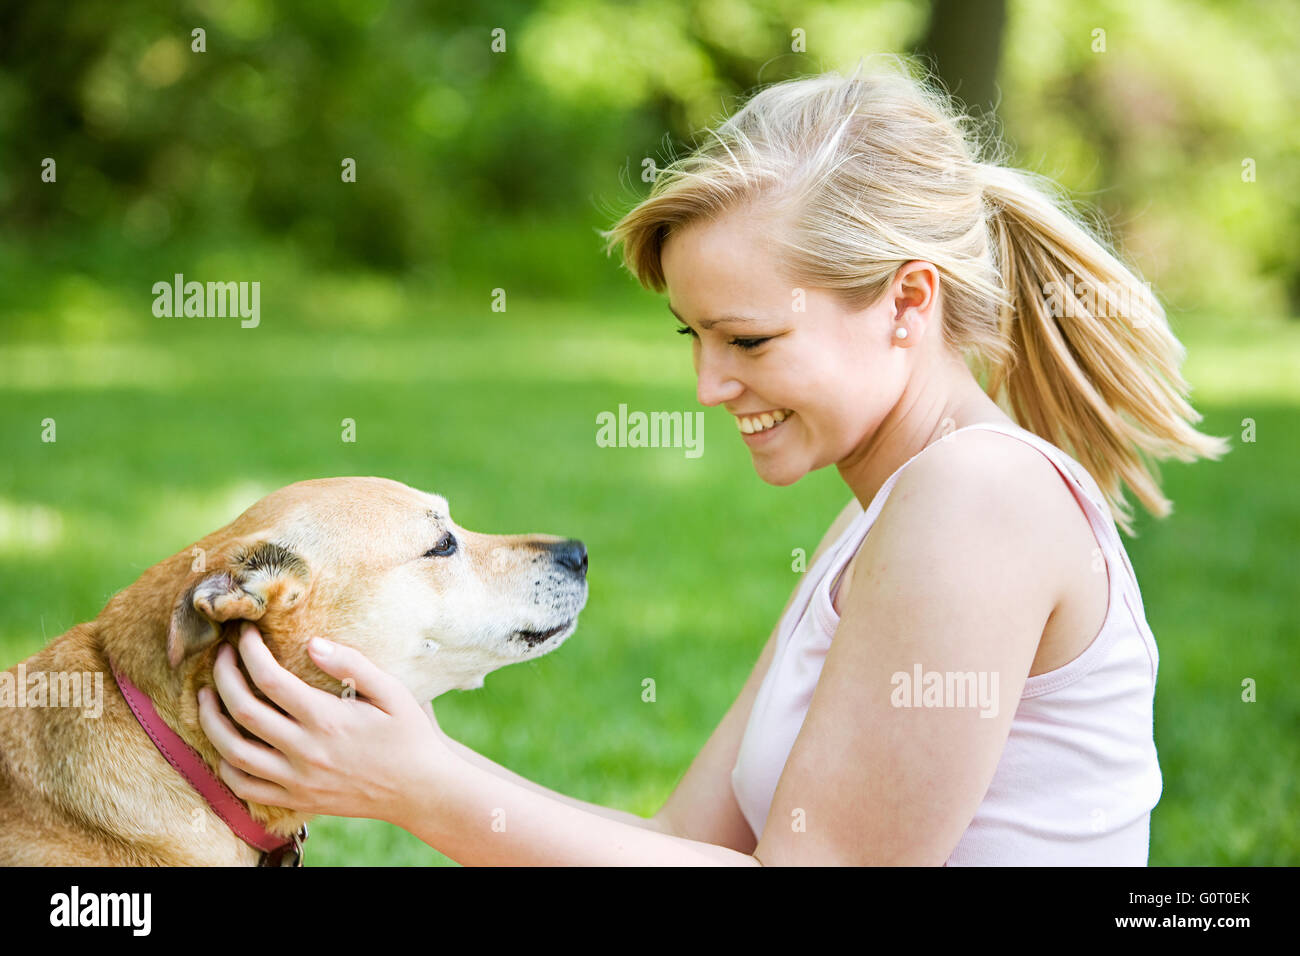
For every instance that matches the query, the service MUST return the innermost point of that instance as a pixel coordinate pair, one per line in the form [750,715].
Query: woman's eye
[443,548]
[746,344]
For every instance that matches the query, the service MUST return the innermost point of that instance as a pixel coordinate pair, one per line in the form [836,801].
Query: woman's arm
[489,820]
[956,580]
[380,756]
[475,759]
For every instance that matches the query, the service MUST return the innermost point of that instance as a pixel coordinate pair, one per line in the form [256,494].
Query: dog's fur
[341,558]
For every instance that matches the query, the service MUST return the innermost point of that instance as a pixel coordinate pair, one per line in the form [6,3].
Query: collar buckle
[288,855]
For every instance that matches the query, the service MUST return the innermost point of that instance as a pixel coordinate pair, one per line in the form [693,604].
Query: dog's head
[379,566]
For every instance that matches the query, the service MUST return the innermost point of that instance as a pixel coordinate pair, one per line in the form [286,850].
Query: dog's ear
[257,575]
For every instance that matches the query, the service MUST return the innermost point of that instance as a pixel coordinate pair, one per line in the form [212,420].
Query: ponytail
[1091,363]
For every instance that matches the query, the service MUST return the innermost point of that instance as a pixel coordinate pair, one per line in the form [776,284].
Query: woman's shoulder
[983,462]
[982,521]
[984,482]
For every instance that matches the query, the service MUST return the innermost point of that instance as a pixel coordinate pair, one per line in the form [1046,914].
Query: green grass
[168,428]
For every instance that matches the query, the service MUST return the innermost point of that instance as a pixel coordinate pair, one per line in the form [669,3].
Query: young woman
[965,674]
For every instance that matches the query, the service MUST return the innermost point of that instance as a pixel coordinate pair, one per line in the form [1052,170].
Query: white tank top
[1078,775]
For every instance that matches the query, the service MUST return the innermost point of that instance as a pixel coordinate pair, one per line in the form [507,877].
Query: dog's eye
[443,548]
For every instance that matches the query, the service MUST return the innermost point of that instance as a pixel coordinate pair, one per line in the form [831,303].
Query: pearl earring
[900,332]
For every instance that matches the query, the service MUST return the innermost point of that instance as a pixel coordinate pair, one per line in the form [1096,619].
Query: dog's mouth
[533,638]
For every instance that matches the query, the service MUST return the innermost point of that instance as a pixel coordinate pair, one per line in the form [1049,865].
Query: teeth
[758,423]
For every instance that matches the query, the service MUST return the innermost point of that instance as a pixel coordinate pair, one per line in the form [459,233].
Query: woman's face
[834,373]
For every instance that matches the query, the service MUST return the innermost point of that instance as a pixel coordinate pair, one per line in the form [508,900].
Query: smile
[765,421]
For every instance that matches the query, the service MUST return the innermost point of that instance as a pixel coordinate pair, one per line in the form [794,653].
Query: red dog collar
[276,851]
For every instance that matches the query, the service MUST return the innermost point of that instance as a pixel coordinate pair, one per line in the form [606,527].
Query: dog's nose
[571,555]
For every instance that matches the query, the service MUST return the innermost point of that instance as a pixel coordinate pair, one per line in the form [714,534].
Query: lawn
[168,428]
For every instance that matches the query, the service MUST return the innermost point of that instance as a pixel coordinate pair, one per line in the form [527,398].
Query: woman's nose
[714,390]
[714,384]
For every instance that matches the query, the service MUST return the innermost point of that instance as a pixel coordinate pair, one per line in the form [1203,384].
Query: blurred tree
[963,46]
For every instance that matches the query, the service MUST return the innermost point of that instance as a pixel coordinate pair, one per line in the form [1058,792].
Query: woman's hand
[362,756]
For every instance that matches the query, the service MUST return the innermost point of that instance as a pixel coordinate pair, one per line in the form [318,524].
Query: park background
[479,170]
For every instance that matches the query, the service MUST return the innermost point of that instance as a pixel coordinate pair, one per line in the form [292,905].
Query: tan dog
[366,562]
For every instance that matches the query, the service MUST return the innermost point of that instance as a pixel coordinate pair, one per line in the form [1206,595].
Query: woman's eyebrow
[710,323]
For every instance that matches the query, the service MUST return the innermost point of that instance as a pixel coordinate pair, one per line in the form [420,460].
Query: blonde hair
[860,174]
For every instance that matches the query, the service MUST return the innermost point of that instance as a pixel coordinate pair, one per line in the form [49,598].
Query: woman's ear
[257,576]
[916,287]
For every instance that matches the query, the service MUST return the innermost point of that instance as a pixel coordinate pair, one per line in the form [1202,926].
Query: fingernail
[321,647]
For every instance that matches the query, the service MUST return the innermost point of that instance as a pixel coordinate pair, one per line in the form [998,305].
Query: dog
[367,562]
